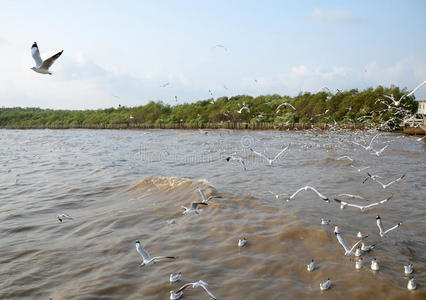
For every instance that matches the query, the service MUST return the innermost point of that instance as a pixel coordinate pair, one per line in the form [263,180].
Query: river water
[120,186]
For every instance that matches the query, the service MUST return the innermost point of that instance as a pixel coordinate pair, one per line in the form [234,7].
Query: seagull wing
[281,152]
[158,258]
[318,193]
[184,287]
[208,292]
[203,195]
[48,62]
[259,154]
[36,55]
[67,216]
[374,137]
[288,104]
[244,165]
[342,242]
[396,180]
[392,228]
[353,247]
[142,252]
[296,192]
[379,224]
[413,91]
[195,204]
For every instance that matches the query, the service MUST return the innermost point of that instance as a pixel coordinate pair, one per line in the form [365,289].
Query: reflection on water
[120,186]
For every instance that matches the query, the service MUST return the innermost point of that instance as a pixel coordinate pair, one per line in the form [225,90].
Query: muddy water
[120,186]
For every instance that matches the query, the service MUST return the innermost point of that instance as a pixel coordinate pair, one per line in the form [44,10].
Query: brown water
[125,185]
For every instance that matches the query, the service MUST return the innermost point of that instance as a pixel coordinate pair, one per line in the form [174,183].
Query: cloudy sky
[121,52]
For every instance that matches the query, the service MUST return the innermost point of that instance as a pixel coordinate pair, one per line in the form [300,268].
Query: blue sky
[120,52]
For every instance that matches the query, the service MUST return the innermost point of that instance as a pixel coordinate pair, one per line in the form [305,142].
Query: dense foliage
[350,106]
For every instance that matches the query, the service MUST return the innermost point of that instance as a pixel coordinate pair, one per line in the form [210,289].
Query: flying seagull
[343,204]
[348,251]
[199,283]
[345,157]
[286,104]
[237,158]
[193,208]
[388,184]
[205,199]
[146,259]
[270,161]
[382,232]
[305,188]
[369,145]
[64,216]
[42,66]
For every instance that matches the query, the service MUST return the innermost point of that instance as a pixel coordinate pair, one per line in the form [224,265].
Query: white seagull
[367,248]
[193,208]
[42,66]
[408,269]
[343,204]
[175,277]
[146,259]
[199,283]
[286,104]
[175,296]
[361,236]
[305,188]
[205,199]
[237,158]
[348,251]
[326,285]
[270,161]
[242,242]
[382,232]
[388,184]
[325,222]
[61,217]
[345,157]
[359,263]
[379,151]
[374,265]
[411,285]
[311,266]
[369,145]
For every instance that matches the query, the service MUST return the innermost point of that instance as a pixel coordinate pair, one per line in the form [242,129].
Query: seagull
[175,296]
[359,263]
[242,108]
[211,93]
[369,146]
[374,265]
[242,242]
[411,285]
[348,251]
[172,221]
[286,104]
[373,177]
[146,259]
[361,236]
[326,285]
[325,222]
[360,169]
[343,204]
[345,157]
[205,199]
[397,103]
[175,277]
[408,269]
[193,208]
[379,224]
[270,161]
[422,138]
[358,252]
[42,66]
[366,248]
[309,188]
[388,184]
[237,158]
[311,266]
[164,85]
[379,151]
[194,285]
[64,216]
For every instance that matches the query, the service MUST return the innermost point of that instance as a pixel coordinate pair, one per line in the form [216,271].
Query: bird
[199,283]
[326,285]
[408,269]
[175,277]
[361,236]
[359,263]
[382,232]
[374,265]
[61,217]
[193,208]
[397,103]
[369,145]
[311,266]
[172,221]
[345,157]
[343,204]
[358,252]
[411,285]
[379,151]
[388,184]
[237,158]
[174,296]
[305,188]
[325,222]
[205,199]
[146,258]
[242,242]
[372,177]
[367,248]
[348,251]
[360,169]
[165,84]
[270,161]
[286,104]
[42,66]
